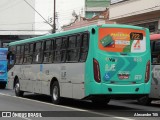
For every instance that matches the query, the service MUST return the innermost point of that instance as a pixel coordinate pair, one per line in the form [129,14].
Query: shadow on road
[87,105]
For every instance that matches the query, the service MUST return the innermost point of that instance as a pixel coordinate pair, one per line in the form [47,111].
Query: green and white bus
[96,63]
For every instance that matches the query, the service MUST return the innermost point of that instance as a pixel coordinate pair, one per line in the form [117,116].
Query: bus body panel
[111,64]
[155,86]
[77,80]
[3,67]
[37,78]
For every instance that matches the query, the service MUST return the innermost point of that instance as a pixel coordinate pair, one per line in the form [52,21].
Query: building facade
[94,7]
[18,20]
[145,13]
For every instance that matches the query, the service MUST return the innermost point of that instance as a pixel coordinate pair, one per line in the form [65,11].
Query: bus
[3,67]
[155,61]
[97,63]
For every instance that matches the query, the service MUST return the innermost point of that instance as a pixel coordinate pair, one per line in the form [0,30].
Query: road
[71,109]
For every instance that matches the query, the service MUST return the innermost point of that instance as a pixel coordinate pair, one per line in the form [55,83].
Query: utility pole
[54,19]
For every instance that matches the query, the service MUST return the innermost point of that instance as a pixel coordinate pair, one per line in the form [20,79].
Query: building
[94,7]
[102,18]
[145,13]
[18,20]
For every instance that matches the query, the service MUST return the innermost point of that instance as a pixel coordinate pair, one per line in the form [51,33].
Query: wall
[16,15]
[133,7]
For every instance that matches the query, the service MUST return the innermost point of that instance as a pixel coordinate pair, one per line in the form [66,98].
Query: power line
[38,13]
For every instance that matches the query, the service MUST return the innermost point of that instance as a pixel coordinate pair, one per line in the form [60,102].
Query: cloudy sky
[64,9]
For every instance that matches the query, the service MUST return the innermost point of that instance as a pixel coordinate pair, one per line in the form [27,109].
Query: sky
[64,9]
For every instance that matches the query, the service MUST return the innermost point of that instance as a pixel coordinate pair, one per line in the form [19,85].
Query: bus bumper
[117,90]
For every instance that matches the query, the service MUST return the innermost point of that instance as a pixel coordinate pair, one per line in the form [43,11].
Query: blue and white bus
[3,67]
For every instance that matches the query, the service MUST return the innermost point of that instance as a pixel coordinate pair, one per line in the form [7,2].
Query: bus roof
[49,36]
[82,29]
[154,36]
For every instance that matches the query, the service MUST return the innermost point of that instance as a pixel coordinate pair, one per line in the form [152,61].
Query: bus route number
[136,36]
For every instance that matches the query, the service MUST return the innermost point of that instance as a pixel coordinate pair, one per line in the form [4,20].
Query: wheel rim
[55,93]
[17,87]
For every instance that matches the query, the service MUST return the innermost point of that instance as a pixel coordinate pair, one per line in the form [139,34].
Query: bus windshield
[122,40]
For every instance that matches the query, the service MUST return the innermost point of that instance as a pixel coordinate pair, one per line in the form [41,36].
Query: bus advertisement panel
[93,63]
[122,45]
[3,67]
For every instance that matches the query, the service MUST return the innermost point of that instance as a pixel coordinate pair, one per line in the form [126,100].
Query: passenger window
[57,56]
[72,42]
[84,47]
[48,45]
[26,48]
[79,38]
[85,40]
[22,49]
[37,57]
[73,55]
[18,49]
[31,48]
[38,47]
[47,55]
[64,43]
[157,45]
[58,43]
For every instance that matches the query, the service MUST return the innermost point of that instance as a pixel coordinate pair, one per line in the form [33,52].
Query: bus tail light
[97,75]
[147,75]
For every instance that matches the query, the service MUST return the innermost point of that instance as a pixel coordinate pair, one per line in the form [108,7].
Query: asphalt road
[70,109]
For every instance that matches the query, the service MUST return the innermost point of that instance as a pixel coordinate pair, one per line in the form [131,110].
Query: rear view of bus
[121,62]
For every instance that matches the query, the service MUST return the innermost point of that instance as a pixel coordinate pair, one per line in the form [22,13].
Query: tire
[100,101]
[18,92]
[144,100]
[55,93]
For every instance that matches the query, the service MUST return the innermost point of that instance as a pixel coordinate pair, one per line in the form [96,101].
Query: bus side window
[21,54]
[60,50]
[57,56]
[84,47]
[73,50]
[47,55]
[79,39]
[64,43]
[58,43]
[37,57]
[27,55]
[11,55]
[18,57]
[10,58]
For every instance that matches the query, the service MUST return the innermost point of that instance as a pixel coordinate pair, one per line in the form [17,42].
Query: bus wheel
[18,92]
[100,101]
[144,100]
[55,93]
